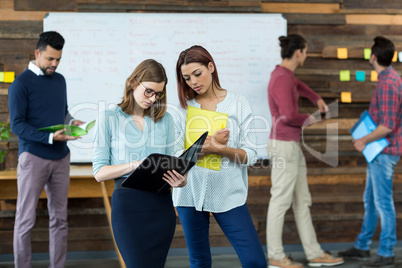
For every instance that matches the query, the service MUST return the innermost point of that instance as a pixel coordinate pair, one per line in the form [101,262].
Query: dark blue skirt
[143,226]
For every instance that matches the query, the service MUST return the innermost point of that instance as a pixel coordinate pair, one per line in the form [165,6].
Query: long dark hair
[199,55]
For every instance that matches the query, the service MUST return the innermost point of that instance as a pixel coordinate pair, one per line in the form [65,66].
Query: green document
[71,130]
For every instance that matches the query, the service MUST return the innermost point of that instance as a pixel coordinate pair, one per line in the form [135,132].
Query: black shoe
[383,262]
[354,253]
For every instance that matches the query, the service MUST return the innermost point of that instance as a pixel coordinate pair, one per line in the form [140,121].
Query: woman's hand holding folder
[214,143]
[175,179]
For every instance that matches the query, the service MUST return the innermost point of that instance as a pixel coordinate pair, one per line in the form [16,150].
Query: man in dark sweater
[37,98]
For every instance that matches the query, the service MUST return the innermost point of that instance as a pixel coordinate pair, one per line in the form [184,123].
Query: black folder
[148,175]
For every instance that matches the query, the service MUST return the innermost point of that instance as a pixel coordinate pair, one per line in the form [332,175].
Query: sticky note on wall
[346,97]
[374,76]
[344,75]
[360,76]
[9,77]
[367,53]
[342,53]
[395,58]
[1,77]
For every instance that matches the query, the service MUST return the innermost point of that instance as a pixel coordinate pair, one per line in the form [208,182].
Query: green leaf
[5,134]
[2,156]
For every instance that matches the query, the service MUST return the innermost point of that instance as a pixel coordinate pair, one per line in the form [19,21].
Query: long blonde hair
[147,71]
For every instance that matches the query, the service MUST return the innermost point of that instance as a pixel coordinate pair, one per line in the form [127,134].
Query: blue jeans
[379,203]
[238,228]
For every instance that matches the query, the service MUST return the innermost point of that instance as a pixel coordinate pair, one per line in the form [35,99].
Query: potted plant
[4,136]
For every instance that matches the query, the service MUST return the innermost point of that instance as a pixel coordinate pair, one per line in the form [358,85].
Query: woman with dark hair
[143,222]
[220,192]
[288,165]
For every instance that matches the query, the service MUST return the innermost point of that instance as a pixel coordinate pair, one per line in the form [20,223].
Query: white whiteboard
[102,50]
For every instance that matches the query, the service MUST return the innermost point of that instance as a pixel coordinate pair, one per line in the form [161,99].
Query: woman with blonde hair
[143,222]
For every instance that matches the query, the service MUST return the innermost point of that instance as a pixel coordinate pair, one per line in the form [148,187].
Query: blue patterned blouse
[118,140]
[223,190]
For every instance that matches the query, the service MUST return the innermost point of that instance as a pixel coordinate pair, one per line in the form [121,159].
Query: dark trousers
[238,228]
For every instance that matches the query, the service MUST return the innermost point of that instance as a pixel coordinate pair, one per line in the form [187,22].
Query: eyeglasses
[149,93]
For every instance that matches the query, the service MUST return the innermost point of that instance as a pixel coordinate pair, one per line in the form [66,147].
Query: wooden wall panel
[16,53]
[236,6]
[333,63]
[337,213]
[17,45]
[7,13]
[244,3]
[20,29]
[308,8]
[14,62]
[4,118]
[44,5]
[384,4]
[302,1]
[196,7]
[355,87]
[327,19]
[347,31]
[88,226]
[374,19]
[3,103]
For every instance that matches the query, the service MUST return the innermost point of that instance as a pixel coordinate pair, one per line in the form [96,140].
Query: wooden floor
[219,260]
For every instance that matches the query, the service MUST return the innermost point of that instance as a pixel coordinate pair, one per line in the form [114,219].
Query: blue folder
[364,126]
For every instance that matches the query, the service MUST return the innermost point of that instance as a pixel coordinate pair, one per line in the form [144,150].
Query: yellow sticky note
[199,121]
[342,53]
[346,97]
[9,77]
[395,58]
[367,53]
[1,76]
[344,75]
[374,76]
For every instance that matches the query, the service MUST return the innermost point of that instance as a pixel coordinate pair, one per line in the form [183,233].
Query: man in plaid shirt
[386,111]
